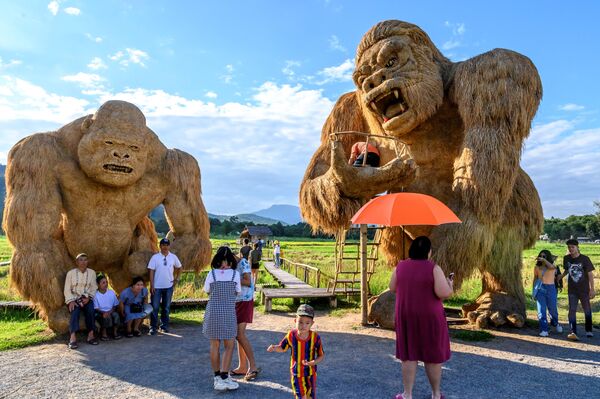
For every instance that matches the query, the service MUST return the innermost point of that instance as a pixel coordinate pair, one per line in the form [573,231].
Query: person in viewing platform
[245,249]
[254,258]
[580,287]
[164,268]
[80,288]
[106,306]
[133,306]
[545,293]
[277,253]
[244,312]
[421,328]
[357,154]
[306,352]
[220,324]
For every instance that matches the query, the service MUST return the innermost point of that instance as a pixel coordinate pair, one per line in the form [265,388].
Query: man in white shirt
[164,269]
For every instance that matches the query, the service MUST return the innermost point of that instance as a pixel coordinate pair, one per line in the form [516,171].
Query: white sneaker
[219,384]
[230,384]
[572,337]
[559,329]
[544,334]
[589,334]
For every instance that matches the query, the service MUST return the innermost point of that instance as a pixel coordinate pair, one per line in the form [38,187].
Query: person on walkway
[244,312]
[544,292]
[254,258]
[164,268]
[80,288]
[245,249]
[277,253]
[357,154]
[220,323]
[133,306]
[421,327]
[306,352]
[106,306]
[580,287]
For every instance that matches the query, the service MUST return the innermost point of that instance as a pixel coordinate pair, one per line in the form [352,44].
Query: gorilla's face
[399,83]
[113,154]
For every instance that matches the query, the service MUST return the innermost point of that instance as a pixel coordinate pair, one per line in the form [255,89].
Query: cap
[165,241]
[81,255]
[305,310]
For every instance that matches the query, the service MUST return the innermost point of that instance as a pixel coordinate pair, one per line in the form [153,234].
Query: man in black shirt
[581,287]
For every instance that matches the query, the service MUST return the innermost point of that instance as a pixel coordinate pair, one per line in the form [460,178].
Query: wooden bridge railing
[306,271]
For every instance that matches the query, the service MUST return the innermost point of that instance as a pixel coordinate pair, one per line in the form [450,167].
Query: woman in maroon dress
[421,327]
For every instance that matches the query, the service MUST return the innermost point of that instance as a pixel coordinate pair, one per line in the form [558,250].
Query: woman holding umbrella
[421,328]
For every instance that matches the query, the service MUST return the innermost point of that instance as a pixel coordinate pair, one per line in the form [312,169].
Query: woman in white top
[277,253]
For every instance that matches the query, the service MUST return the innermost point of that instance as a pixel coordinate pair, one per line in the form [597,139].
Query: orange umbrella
[404,209]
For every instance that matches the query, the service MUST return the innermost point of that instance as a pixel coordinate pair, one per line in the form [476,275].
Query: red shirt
[359,148]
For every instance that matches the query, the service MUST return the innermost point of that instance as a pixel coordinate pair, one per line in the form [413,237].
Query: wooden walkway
[293,287]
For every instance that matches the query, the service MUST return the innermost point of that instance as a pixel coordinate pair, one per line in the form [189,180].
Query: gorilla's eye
[391,62]
[134,147]
[108,142]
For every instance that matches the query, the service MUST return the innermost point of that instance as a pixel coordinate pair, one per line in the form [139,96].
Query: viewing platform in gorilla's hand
[293,288]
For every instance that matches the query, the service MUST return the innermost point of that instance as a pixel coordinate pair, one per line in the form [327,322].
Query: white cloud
[571,107]
[339,73]
[86,80]
[130,56]
[97,63]
[450,44]
[211,94]
[96,39]
[23,100]
[72,11]
[53,6]
[9,64]
[228,76]
[563,163]
[288,69]
[458,29]
[334,44]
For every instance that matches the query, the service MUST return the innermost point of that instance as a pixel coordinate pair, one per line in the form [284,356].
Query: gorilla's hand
[365,182]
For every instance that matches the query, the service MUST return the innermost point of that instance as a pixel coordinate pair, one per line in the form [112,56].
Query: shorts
[244,311]
[255,266]
[304,386]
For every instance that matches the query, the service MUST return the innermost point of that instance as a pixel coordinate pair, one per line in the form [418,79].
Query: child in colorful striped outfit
[307,352]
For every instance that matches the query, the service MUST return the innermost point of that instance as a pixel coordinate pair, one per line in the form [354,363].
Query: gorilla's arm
[331,190]
[185,210]
[497,94]
[32,218]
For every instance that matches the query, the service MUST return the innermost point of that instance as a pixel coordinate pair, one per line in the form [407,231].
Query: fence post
[318,277]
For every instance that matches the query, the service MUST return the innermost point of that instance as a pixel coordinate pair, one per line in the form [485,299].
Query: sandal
[104,338]
[137,333]
[118,336]
[93,341]
[236,374]
[73,345]
[129,334]
[251,376]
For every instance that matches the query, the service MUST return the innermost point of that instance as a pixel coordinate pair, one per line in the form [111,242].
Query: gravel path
[359,363]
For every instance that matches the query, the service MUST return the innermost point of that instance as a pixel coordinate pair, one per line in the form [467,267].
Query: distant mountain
[247,217]
[289,214]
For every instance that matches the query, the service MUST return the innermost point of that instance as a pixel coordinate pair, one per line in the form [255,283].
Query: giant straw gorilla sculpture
[463,126]
[88,187]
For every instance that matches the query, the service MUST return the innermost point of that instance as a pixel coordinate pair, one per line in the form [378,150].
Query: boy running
[307,352]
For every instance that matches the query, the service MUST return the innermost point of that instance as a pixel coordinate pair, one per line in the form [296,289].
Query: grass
[21,328]
[471,335]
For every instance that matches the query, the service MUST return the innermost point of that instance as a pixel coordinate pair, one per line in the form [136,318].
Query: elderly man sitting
[80,288]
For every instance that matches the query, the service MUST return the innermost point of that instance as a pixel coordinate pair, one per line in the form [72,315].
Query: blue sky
[245,86]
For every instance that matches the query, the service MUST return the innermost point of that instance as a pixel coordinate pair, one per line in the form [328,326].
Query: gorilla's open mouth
[389,105]
[117,168]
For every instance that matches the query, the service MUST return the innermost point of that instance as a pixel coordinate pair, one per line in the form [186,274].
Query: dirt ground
[359,363]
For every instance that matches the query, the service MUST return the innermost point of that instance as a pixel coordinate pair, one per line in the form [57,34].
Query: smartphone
[451,276]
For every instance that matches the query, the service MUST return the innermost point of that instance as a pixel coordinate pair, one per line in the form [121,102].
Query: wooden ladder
[347,262]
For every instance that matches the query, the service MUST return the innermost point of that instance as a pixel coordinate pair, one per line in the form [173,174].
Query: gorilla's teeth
[374,107]
[396,94]
[402,108]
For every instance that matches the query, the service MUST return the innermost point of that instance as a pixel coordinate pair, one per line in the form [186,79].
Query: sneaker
[230,384]
[218,384]
[589,334]
[152,332]
[164,330]
[572,337]
[559,329]
[544,334]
